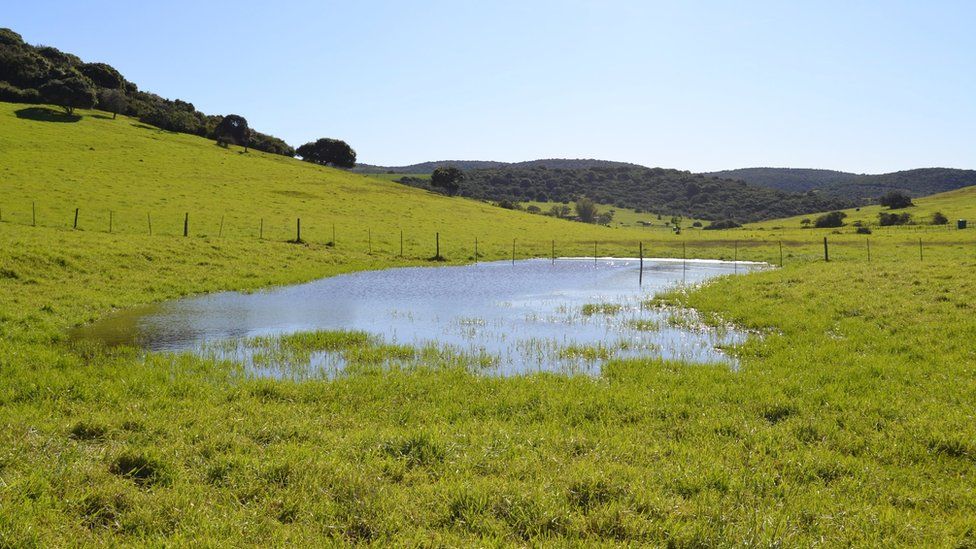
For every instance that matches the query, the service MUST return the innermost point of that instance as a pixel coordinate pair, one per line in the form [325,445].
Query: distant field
[626,217]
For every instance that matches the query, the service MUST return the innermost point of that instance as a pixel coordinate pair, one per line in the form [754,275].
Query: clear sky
[864,86]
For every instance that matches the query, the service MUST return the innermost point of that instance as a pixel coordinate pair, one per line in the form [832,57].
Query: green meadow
[850,420]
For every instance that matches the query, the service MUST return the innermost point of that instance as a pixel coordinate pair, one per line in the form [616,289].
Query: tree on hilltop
[448,178]
[233,129]
[328,152]
[112,100]
[73,92]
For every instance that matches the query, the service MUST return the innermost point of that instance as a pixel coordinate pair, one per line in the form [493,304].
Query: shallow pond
[570,315]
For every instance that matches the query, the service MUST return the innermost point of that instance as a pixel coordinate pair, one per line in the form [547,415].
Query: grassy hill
[860,187]
[957,204]
[848,422]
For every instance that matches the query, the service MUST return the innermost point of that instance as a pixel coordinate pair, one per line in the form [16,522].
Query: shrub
[886,219]
[14,94]
[895,200]
[863,230]
[832,219]
[696,224]
[533,209]
[938,218]
[725,224]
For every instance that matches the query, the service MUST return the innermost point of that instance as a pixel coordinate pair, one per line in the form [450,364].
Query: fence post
[220,231]
[735,257]
[826,252]
[369,241]
[553,252]
[868,240]
[513,251]
[110,212]
[33,215]
[75,226]
[780,253]
[298,228]
[437,244]
[149,220]
[401,243]
[640,252]
[920,249]
[476,249]
[186,224]
[594,252]
[261,230]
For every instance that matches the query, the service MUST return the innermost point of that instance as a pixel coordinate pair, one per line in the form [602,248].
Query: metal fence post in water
[553,252]
[594,252]
[640,253]
[513,251]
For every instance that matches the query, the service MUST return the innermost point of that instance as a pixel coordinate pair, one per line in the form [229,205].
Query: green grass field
[850,421]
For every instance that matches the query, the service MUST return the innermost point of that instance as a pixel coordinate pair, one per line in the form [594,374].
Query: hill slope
[860,187]
[956,204]
[658,190]
[135,171]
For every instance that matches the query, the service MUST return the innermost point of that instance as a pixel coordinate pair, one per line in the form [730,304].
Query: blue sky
[864,86]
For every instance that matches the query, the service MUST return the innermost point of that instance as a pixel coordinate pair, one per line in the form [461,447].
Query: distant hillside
[467,165]
[859,187]
[797,180]
[654,190]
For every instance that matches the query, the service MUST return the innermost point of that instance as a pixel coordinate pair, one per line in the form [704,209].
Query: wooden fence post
[149,220]
[261,230]
[780,253]
[369,241]
[476,249]
[110,212]
[186,224]
[826,251]
[594,252]
[920,249]
[298,228]
[868,240]
[75,226]
[735,257]
[401,243]
[33,215]
[220,231]
[553,252]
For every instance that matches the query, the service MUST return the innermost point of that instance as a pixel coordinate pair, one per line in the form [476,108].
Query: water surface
[529,316]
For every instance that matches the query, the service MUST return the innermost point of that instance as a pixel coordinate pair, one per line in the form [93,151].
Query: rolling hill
[859,187]
[467,165]
[654,190]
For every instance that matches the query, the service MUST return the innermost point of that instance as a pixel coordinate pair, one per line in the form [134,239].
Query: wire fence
[414,243]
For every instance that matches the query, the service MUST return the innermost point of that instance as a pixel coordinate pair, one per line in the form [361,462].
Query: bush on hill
[886,219]
[830,220]
[895,200]
[718,225]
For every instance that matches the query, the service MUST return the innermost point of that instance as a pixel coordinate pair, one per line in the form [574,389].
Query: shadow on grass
[43,114]
[142,126]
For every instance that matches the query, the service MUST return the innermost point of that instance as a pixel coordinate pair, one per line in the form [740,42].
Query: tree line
[651,190]
[44,74]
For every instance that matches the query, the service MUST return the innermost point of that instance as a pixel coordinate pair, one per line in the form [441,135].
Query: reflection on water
[525,317]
